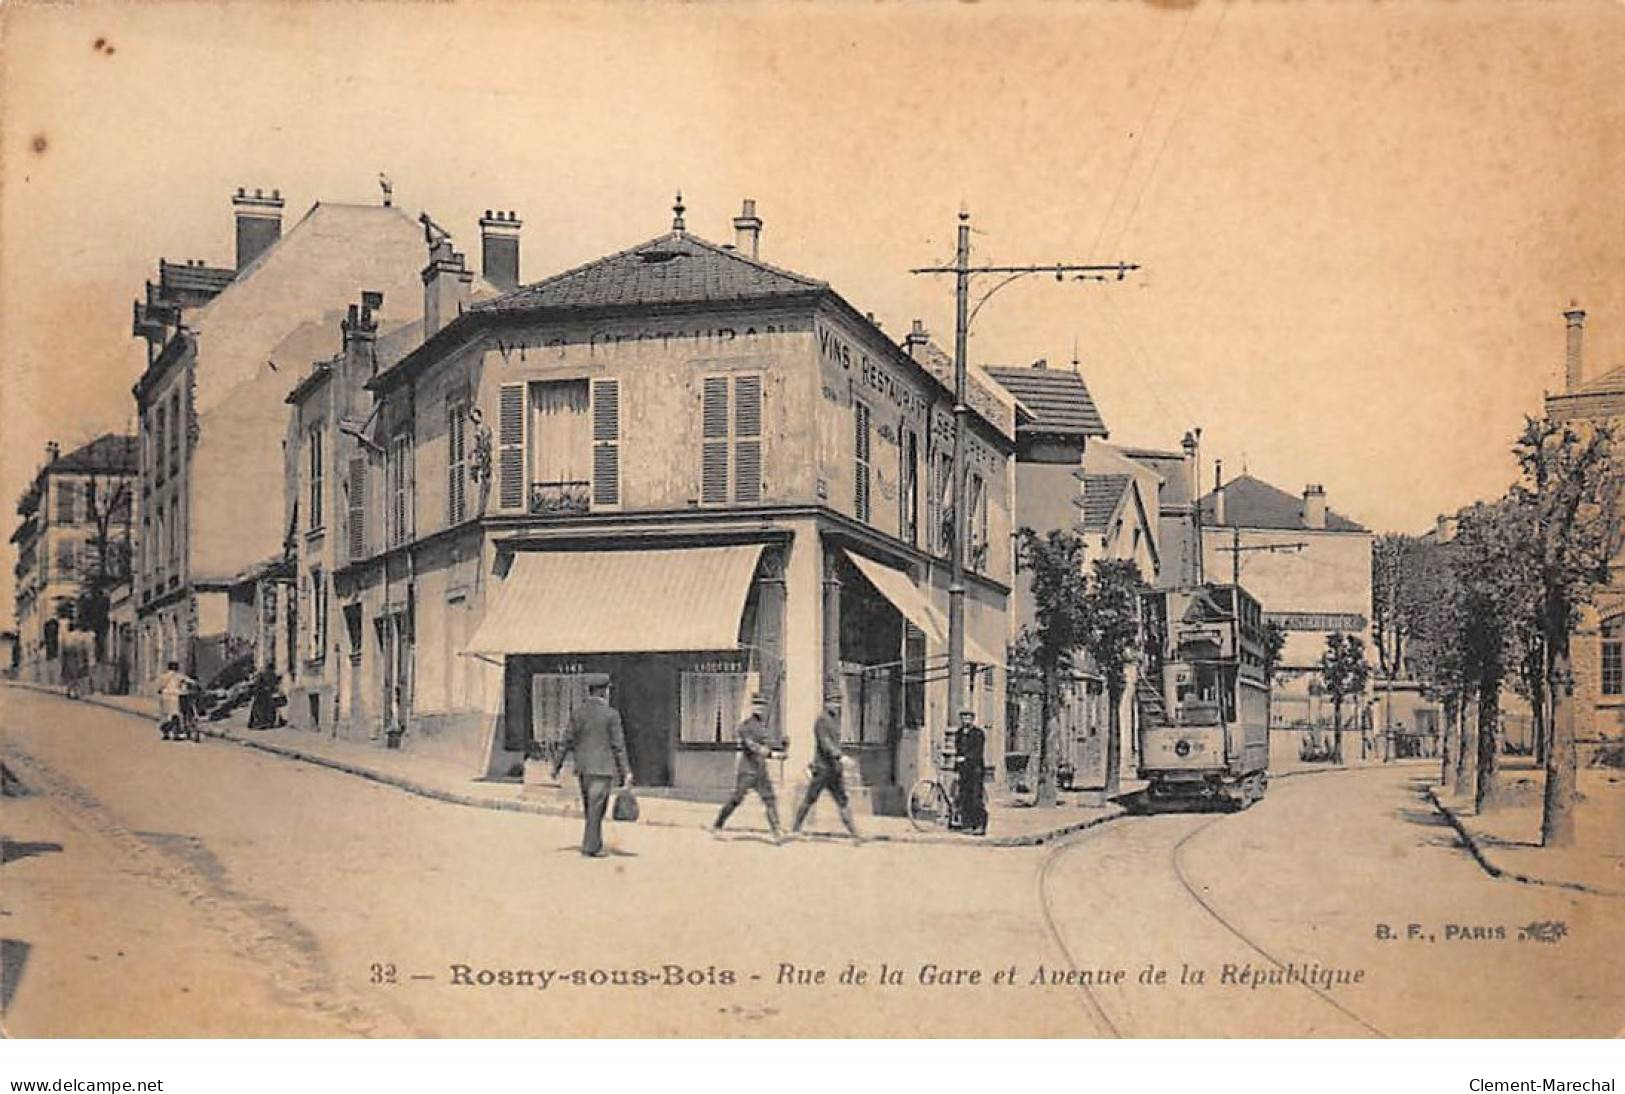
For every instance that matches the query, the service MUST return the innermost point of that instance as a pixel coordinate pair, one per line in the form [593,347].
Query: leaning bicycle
[933,803]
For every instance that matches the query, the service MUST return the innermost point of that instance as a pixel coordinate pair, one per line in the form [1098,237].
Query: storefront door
[645,692]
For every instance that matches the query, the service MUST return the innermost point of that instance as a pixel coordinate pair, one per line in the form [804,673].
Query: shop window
[1613,657]
[554,696]
[713,704]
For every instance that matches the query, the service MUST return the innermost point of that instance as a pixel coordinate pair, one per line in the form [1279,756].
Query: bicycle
[933,802]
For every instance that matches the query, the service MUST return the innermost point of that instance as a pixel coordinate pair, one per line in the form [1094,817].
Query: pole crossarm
[1121,269]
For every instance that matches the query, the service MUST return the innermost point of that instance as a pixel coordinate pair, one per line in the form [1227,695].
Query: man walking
[825,769]
[599,745]
[754,751]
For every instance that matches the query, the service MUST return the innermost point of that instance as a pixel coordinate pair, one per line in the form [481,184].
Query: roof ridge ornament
[677,211]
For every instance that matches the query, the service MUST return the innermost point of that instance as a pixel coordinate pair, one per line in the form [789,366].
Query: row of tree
[1496,606]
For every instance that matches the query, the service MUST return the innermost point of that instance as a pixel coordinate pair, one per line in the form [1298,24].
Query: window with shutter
[606,443]
[747,438]
[860,419]
[358,507]
[400,490]
[456,462]
[314,450]
[511,447]
[714,441]
[908,495]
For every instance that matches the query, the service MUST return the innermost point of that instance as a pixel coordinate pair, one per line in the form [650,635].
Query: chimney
[360,327]
[748,229]
[1576,317]
[1218,493]
[259,222]
[1314,506]
[447,282]
[499,248]
[52,452]
[915,341]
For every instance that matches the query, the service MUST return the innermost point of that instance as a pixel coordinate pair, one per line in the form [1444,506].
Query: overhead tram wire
[1179,112]
[1134,153]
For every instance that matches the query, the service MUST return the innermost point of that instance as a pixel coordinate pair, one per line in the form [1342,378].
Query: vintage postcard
[742,520]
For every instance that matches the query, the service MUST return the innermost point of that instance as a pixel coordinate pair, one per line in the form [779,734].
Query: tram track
[1097,1010]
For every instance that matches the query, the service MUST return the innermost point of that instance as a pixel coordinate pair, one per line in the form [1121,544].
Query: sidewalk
[1505,839]
[1008,825]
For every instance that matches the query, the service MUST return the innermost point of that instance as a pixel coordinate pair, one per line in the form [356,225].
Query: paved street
[206,889]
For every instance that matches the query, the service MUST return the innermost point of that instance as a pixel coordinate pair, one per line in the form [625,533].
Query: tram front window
[1198,696]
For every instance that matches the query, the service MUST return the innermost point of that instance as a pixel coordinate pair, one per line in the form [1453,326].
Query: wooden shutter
[456,474]
[860,418]
[747,438]
[358,507]
[714,441]
[511,447]
[606,442]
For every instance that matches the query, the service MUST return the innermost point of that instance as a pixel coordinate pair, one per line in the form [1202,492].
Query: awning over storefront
[669,600]
[897,587]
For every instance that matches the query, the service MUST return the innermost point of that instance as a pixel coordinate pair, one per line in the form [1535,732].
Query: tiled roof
[1609,383]
[110,452]
[1254,503]
[676,268]
[193,278]
[1058,398]
[1101,494]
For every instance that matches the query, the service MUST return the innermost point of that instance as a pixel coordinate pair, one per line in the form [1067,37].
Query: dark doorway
[646,694]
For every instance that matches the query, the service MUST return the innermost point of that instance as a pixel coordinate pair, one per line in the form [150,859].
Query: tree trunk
[1447,739]
[1046,774]
[1114,741]
[1466,752]
[1557,810]
[1489,713]
[1539,730]
[1337,731]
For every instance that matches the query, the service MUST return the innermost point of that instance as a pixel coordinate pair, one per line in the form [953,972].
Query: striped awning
[657,601]
[907,597]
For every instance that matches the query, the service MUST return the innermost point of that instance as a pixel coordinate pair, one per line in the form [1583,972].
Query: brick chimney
[447,283]
[1218,492]
[1314,506]
[499,248]
[748,229]
[1572,366]
[915,341]
[53,452]
[259,222]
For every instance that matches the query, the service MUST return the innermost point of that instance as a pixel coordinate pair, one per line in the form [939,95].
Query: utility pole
[963,271]
[1236,549]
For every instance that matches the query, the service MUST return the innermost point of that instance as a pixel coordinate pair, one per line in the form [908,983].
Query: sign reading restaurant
[1317,621]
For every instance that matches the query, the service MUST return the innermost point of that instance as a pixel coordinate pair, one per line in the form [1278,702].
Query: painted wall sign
[869,373]
[1317,621]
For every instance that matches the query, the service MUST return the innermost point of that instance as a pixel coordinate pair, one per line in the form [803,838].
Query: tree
[1343,673]
[107,560]
[1054,562]
[1390,580]
[1274,646]
[1570,486]
[1111,634]
[1433,653]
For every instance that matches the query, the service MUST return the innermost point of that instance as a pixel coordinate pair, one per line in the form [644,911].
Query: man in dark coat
[599,745]
[969,769]
[825,770]
[754,751]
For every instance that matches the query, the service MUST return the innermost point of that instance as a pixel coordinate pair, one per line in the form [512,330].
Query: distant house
[74,527]
[1317,583]
[225,346]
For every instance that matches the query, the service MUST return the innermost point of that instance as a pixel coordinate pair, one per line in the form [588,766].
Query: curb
[1475,848]
[476,801]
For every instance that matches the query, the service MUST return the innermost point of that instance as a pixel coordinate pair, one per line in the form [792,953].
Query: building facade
[225,345]
[73,536]
[701,474]
[1310,568]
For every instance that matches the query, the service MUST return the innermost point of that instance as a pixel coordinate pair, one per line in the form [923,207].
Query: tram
[1203,699]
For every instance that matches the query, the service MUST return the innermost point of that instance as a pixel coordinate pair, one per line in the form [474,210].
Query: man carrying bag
[598,743]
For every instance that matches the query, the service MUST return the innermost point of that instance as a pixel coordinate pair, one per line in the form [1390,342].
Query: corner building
[694,471]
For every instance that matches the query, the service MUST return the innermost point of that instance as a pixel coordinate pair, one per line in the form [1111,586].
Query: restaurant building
[677,464]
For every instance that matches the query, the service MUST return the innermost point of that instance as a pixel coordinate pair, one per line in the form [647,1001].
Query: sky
[1357,224]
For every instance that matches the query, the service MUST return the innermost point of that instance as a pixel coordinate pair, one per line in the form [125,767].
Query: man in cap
[825,770]
[755,749]
[969,769]
[599,745]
